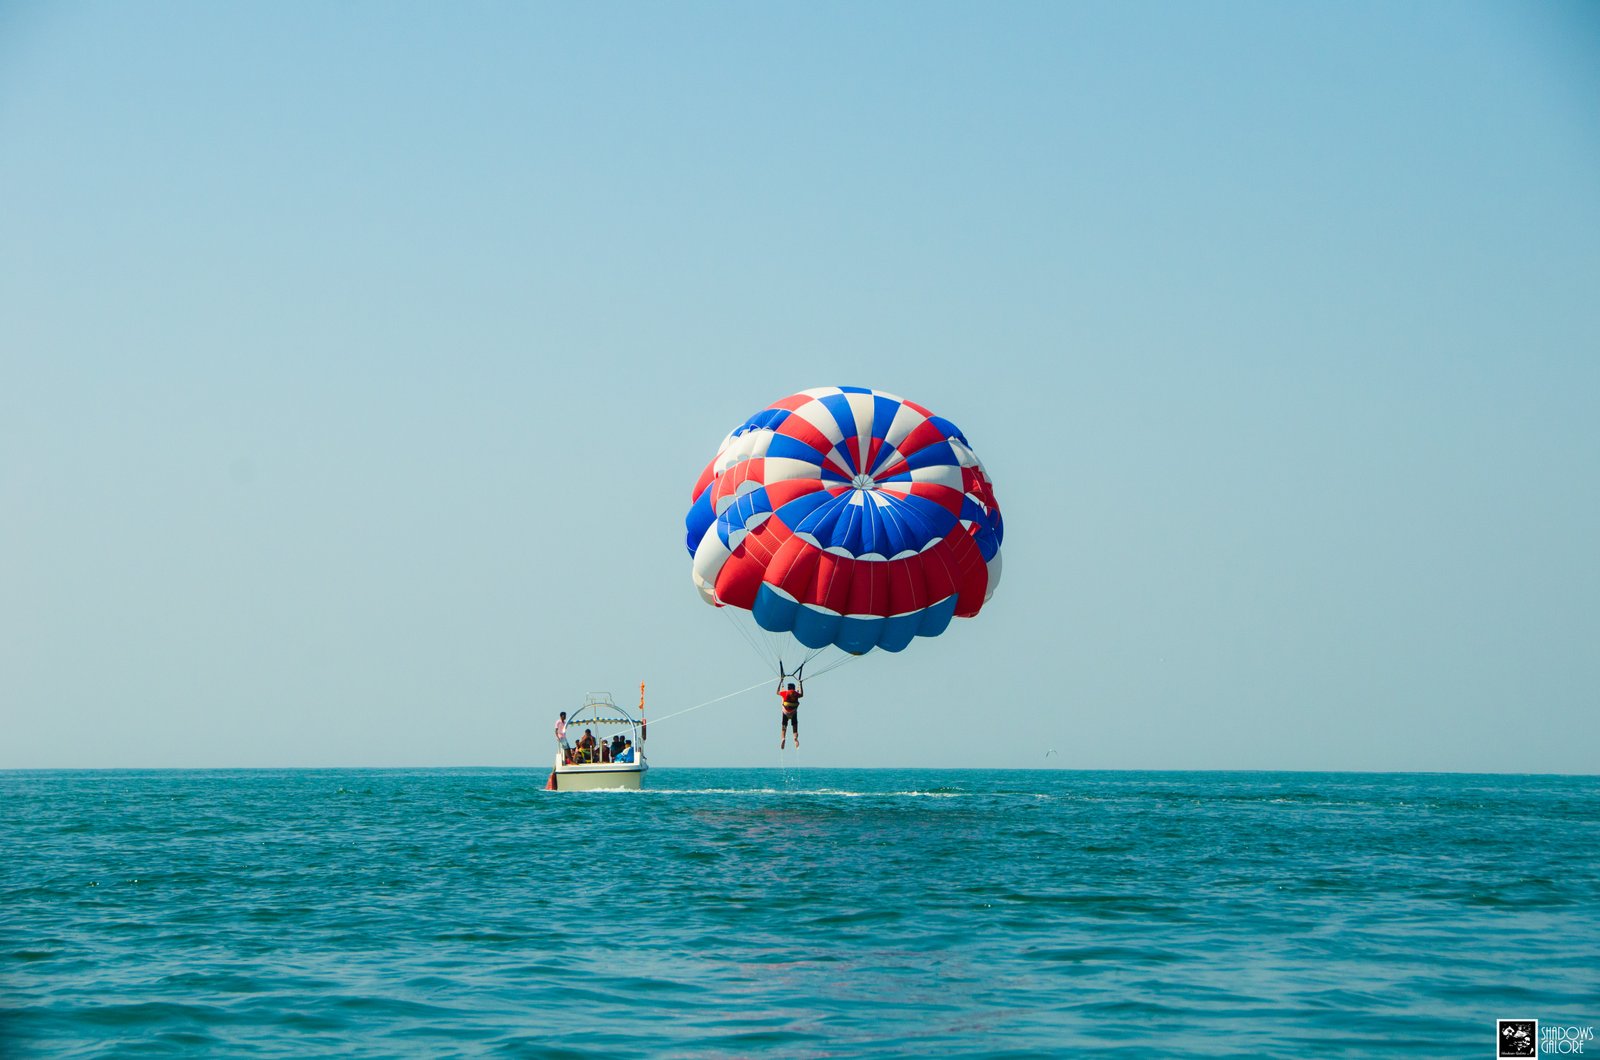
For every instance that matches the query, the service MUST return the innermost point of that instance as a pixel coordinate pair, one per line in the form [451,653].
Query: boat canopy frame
[599,709]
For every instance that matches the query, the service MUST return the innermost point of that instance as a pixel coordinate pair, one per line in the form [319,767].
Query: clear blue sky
[356,362]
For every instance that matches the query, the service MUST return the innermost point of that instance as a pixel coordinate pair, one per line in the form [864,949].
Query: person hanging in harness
[790,715]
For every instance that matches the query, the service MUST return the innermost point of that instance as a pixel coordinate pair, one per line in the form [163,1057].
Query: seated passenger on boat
[591,751]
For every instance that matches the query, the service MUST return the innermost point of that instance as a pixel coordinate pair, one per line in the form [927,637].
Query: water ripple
[819,913]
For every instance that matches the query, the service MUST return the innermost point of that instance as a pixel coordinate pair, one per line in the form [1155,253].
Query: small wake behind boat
[607,747]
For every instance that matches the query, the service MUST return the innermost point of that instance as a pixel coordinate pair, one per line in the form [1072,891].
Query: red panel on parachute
[740,577]
[943,496]
[785,490]
[940,571]
[834,574]
[869,588]
[974,573]
[729,482]
[703,481]
[794,568]
[801,430]
[922,435]
[908,585]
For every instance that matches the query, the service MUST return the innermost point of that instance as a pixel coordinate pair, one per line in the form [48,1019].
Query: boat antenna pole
[644,726]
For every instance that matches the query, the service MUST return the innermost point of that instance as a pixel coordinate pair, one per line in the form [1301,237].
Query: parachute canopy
[846,517]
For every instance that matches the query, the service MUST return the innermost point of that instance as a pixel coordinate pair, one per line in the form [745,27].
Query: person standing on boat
[561,733]
[790,698]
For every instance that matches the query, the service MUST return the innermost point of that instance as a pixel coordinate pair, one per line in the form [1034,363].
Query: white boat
[602,717]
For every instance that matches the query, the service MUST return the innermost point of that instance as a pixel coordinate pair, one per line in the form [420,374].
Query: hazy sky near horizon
[356,362]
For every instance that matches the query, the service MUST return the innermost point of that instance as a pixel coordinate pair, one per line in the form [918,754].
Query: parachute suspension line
[833,665]
[759,684]
[829,665]
[773,648]
[805,654]
[784,644]
[747,629]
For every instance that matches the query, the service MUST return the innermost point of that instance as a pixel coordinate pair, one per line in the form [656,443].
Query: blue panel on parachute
[820,522]
[798,510]
[858,635]
[737,516]
[933,521]
[984,527]
[813,628]
[839,406]
[904,528]
[937,455]
[765,420]
[847,531]
[773,611]
[783,447]
[949,429]
[899,631]
[934,620]
[698,521]
[884,411]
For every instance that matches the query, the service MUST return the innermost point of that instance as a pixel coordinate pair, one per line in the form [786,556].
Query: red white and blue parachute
[846,517]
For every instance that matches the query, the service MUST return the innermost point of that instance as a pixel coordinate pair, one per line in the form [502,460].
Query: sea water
[800,912]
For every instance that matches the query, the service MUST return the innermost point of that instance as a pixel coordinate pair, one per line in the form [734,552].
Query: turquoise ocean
[792,912]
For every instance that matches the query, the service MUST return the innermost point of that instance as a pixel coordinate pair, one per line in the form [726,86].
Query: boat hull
[601,777]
